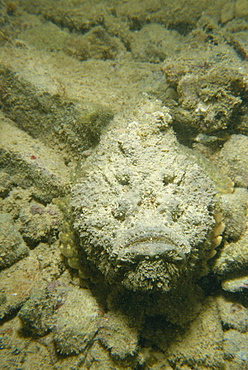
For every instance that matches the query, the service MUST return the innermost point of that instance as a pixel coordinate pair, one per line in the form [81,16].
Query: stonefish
[145,210]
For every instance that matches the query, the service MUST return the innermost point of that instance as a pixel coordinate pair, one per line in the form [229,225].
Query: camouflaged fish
[144,208]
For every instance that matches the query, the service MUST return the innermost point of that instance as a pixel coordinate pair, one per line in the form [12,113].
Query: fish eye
[120,209]
[168,178]
[123,178]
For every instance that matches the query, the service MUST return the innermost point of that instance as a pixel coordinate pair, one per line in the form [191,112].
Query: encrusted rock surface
[12,246]
[204,97]
[77,322]
[196,348]
[233,258]
[31,163]
[234,157]
[28,275]
[39,223]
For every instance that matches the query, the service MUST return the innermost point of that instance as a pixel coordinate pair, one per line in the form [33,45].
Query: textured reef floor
[123,185]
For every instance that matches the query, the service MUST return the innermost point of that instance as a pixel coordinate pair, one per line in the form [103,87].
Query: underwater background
[123,184]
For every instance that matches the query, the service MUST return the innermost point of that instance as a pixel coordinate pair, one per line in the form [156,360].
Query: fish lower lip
[152,245]
[150,237]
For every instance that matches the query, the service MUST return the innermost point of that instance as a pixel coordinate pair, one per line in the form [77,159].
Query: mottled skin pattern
[144,210]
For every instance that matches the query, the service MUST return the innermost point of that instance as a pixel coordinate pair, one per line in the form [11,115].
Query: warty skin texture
[144,209]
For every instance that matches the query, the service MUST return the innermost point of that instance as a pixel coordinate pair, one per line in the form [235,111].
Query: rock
[201,345]
[98,358]
[233,207]
[36,314]
[28,275]
[17,198]
[233,259]
[206,103]
[45,36]
[227,12]
[209,98]
[153,43]
[31,162]
[39,223]
[42,110]
[21,351]
[96,43]
[5,183]
[76,322]
[241,7]
[233,315]
[234,158]
[119,338]
[239,284]
[57,309]
[236,349]
[85,16]
[12,246]
[183,16]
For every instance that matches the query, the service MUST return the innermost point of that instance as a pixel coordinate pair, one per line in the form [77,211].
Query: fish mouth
[154,245]
[153,237]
